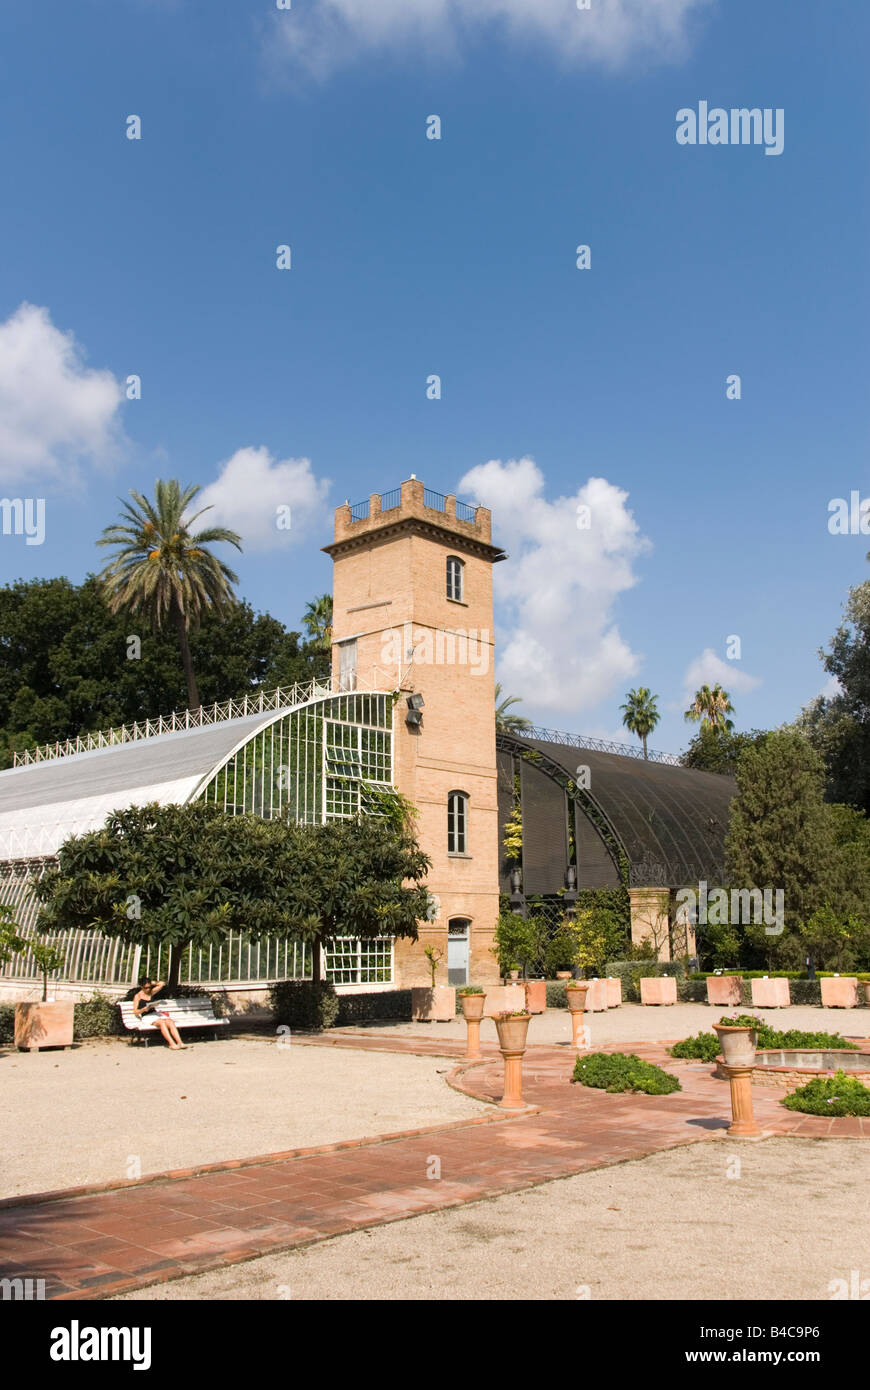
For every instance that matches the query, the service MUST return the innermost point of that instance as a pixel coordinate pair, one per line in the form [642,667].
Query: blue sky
[456,257]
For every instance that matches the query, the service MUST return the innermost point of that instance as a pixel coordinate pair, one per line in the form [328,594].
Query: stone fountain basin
[797,1066]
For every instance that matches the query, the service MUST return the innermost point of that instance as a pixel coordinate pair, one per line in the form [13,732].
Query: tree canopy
[782,834]
[173,876]
[66,666]
[163,572]
[838,725]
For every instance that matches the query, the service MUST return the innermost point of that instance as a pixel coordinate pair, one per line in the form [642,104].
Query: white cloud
[710,669]
[333,33]
[831,689]
[252,493]
[560,649]
[55,413]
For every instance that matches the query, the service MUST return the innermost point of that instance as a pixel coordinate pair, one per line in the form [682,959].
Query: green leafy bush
[97,1017]
[704,1046]
[7,1023]
[556,994]
[302,1004]
[830,1095]
[793,1037]
[624,1071]
[386,1005]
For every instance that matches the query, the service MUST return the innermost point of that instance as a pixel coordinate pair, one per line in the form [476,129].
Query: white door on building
[457,951]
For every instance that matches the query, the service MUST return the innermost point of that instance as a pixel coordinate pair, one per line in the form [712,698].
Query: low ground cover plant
[830,1095]
[705,1046]
[624,1071]
[792,1037]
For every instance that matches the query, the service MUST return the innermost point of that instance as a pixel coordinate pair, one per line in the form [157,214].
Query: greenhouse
[309,752]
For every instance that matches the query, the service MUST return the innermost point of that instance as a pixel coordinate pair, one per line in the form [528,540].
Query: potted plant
[738,1043]
[472,999]
[564,974]
[575,993]
[433,1003]
[512,1026]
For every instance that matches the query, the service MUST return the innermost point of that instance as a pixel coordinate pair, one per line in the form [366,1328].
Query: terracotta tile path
[92,1242]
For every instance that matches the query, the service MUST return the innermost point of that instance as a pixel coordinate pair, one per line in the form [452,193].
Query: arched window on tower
[457,823]
[455,578]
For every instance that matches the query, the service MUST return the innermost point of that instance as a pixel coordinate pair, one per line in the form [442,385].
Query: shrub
[704,1046]
[7,1023]
[392,1004]
[302,1004]
[831,1095]
[556,994]
[624,1071]
[793,1037]
[97,1017]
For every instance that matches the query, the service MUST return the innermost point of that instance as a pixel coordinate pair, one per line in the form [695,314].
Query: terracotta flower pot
[45,1024]
[738,1044]
[563,974]
[839,992]
[658,989]
[536,996]
[770,992]
[724,989]
[501,997]
[433,1005]
[512,1033]
[472,1006]
[865,991]
[576,996]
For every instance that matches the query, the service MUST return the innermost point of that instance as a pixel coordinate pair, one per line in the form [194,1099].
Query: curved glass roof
[671,821]
[42,804]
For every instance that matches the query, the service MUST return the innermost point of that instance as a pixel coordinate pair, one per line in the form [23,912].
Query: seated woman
[142,1004]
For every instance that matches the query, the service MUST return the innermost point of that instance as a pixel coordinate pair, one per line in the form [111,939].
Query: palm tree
[163,571]
[639,713]
[508,723]
[710,707]
[318,620]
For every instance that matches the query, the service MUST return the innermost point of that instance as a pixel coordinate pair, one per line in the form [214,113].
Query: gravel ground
[673,1226]
[87,1114]
[649,1023]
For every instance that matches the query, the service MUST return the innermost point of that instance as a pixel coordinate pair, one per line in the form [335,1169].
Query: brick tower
[412,612]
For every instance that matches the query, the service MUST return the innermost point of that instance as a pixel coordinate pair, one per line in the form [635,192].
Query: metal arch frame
[511,743]
[284,712]
[518,746]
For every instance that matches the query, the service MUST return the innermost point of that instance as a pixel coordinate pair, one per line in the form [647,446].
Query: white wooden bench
[184,1013]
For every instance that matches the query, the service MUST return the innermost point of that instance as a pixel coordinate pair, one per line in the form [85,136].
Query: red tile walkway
[90,1243]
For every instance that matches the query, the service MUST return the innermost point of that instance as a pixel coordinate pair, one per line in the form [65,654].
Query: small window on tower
[455,583]
[457,823]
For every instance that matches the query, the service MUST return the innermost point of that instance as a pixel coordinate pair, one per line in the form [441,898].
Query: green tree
[780,834]
[10,940]
[838,725]
[506,723]
[710,707]
[67,666]
[176,876]
[317,621]
[640,713]
[165,571]
[716,751]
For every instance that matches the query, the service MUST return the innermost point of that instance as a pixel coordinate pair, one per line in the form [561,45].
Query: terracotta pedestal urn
[512,1029]
[738,1055]
[472,1011]
[576,996]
